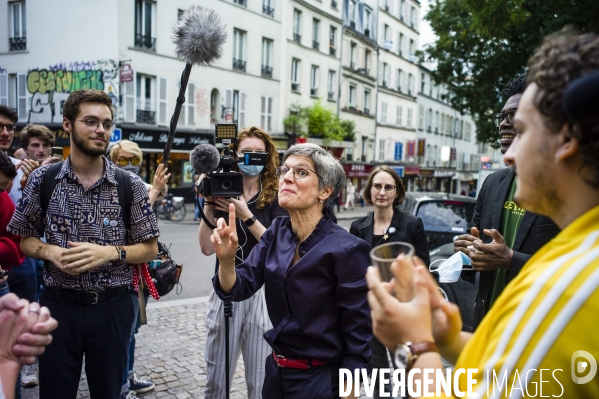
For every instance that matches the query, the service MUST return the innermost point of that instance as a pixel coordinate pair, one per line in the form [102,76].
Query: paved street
[170,348]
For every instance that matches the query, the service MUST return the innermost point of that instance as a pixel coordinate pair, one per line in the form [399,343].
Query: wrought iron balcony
[294,86]
[334,4]
[366,111]
[332,51]
[331,96]
[352,24]
[367,32]
[238,65]
[146,42]
[146,117]
[267,71]
[314,91]
[352,65]
[241,2]
[315,45]
[297,37]
[268,11]
[18,43]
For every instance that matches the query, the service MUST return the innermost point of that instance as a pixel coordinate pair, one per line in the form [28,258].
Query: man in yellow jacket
[540,338]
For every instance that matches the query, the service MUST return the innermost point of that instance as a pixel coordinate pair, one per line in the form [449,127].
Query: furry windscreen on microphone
[199,36]
[204,159]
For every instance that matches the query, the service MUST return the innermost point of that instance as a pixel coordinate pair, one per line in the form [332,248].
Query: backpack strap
[48,185]
[125,193]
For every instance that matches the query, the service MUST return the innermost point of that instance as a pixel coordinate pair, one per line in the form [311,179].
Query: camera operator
[255,210]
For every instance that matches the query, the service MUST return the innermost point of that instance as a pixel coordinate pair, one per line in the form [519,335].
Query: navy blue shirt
[318,306]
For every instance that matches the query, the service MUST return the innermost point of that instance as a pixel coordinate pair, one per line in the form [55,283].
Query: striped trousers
[246,329]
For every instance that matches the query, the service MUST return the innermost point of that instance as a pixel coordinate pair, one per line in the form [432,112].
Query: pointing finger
[232,217]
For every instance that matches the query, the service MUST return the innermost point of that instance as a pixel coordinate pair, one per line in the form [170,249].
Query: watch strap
[250,221]
[422,347]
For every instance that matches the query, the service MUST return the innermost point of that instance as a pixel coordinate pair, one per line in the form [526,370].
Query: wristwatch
[250,221]
[406,354]
[122,252]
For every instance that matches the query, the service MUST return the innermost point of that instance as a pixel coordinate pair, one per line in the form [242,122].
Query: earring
[321,201]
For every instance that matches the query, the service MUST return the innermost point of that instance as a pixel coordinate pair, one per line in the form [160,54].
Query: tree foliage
[318,121]
[483,44]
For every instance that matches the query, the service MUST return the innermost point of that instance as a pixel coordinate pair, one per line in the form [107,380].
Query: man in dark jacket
[503,235]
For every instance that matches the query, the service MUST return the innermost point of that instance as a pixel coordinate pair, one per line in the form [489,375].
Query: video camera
[221,181]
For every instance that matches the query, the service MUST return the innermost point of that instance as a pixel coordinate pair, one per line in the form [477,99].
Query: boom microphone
[204,159]
[198,37]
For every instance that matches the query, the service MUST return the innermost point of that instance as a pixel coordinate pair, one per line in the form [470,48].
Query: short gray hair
[325,165]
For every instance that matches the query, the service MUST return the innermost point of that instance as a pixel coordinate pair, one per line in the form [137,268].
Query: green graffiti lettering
[51,85]
[59,76]
[33,81]
[43,77]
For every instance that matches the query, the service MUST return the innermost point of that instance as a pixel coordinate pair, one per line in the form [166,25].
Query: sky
[426,33]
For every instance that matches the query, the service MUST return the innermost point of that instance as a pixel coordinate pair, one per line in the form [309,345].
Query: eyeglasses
[93,125]
[9,128]
[389,188]
[509,115]
[299,171]
[123,161]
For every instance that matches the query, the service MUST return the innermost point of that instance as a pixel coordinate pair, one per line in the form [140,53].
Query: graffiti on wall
[50,87]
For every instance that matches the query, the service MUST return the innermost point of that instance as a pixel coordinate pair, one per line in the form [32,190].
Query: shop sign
[412,170]
[427,172]
[157,139]
[411,148]
[484,159]
[444,173]
[357,170]
[400,170]
[398,150]
[126,73]
[116,135]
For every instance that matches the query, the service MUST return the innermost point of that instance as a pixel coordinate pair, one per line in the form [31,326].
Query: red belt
[296,363]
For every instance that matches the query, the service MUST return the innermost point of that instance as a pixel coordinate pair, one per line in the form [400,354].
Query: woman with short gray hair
[313,272]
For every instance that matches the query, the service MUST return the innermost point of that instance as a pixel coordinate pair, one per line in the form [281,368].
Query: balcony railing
[238,65]
[366,111]
[365,71]
[268,11]
[146,42]
[332,51]
[315,45]
[352,24]
[146,117]
[352,65]
[314,91]
[241,2]
[18,43]
[399,88]
[367,32]
[331,96]
[334,4]
[297,37]
[384,83]
[294,86]
[267,71]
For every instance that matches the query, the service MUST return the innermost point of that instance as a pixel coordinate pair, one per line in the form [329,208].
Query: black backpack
[123,188]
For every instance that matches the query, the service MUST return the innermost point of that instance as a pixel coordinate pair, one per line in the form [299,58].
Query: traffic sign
[116,135]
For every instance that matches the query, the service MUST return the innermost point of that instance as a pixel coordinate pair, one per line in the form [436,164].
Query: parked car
[444,215]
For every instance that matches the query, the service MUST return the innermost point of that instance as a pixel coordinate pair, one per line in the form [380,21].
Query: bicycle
[171,208]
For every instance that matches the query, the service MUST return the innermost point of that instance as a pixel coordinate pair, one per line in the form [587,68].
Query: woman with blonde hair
[127,155]
[255,210]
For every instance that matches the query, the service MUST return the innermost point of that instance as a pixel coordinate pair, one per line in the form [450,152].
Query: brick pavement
[170,351]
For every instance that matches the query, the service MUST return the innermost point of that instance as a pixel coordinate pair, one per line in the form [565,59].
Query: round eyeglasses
[508,115]
[9,128]
[299,171]
[389,188]
[93,125]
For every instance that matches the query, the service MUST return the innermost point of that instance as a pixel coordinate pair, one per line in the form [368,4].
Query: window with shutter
[242,104]
[4,89]
[22,96]
[162,101]
[190,105]
[130,105]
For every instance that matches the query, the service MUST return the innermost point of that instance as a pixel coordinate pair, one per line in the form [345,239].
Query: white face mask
[450,269]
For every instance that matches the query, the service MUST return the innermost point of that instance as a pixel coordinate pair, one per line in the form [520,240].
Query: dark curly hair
[9,113]
[7,168]
[514,86]
[561,59]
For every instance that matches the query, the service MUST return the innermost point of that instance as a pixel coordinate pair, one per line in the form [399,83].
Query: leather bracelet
[208,203]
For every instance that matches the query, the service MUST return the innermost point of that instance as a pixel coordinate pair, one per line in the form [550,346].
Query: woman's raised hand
[224,238]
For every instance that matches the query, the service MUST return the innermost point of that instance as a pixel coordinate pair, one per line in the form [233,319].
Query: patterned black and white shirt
[93,216]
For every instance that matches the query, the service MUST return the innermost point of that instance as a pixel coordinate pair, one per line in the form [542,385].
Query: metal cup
[384,255]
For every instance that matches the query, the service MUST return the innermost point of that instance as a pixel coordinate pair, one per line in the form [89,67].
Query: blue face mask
[131,168]
[450,269]
[250,170]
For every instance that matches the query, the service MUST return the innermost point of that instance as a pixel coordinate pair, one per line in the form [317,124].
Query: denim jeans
[22,280]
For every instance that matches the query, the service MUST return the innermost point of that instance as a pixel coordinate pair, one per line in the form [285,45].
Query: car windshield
[448,215]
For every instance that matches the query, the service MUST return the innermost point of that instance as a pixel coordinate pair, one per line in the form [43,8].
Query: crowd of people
[294,293]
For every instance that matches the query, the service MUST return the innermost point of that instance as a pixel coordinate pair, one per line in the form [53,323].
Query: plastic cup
[384,255]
